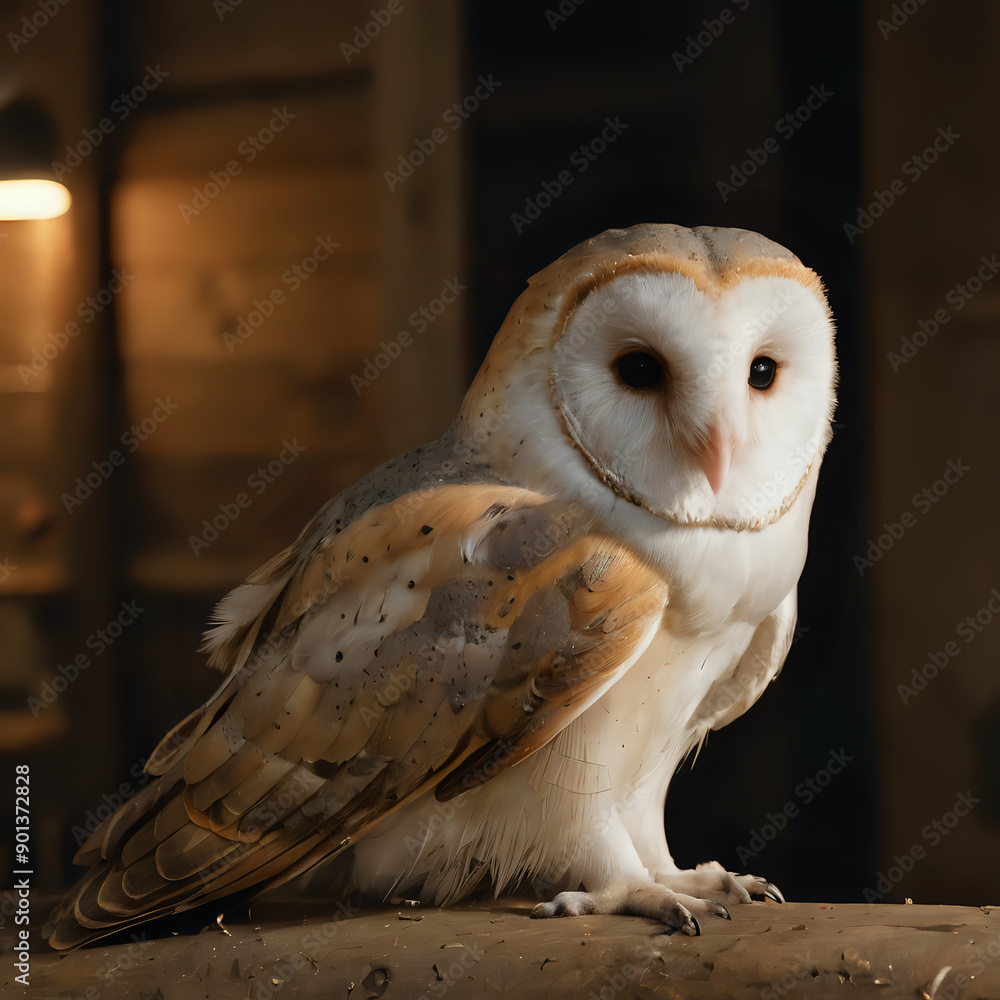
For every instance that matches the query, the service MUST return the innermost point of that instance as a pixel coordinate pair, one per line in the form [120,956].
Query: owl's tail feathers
[174,846]
[254,822]
[166,864]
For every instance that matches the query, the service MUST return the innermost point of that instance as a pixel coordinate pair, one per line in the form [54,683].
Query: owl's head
[691,372]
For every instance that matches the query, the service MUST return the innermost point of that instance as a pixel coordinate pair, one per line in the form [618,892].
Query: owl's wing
[732,695]
[431,643]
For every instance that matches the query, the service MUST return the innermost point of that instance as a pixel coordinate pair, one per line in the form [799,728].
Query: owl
[478,668]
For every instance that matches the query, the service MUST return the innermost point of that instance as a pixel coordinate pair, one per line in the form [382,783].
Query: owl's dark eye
[762,372]
[639,370]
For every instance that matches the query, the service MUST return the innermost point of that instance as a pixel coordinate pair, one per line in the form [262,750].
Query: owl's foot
[710,879]
[639,898]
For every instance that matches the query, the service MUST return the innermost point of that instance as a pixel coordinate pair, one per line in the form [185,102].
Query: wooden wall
[260,272]
[934,414]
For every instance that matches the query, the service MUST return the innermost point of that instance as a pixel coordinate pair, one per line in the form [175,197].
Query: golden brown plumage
[291,760]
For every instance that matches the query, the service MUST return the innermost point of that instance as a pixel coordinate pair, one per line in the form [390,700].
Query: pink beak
[715,458]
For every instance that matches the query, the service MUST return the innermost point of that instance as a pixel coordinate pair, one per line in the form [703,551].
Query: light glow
[32,199]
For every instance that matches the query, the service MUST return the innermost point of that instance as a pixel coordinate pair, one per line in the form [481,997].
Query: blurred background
[294,230]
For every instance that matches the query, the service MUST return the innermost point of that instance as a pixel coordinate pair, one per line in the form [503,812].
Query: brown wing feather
[430,644]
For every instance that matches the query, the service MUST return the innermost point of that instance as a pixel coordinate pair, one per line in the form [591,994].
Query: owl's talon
[710,881]
[762,889]
[773,892]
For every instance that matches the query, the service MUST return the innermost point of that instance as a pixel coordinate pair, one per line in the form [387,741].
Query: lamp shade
[27,142]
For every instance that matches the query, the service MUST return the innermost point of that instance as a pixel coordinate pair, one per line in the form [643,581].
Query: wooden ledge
[768,951]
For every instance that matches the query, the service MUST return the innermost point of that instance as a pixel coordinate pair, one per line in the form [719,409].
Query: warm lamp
[26,146]
[32,198]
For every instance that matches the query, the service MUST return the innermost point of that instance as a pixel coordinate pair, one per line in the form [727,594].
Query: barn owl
[479,666]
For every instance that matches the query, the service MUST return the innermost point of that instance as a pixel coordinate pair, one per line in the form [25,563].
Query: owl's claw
[760,888]
[712,881]
[771,891]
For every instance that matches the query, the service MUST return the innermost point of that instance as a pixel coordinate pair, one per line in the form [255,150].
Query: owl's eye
[762,372]
[639,370]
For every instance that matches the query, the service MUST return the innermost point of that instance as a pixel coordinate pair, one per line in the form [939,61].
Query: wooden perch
[767,951]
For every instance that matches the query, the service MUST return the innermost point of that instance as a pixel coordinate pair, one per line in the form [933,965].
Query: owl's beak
[715,457]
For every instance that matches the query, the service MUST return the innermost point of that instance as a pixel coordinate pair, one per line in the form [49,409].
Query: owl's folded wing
[425,647]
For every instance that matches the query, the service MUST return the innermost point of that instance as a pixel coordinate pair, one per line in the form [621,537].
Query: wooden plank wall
[934,417]
[260,260]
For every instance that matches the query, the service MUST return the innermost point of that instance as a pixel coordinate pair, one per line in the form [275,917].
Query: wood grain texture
[766,951]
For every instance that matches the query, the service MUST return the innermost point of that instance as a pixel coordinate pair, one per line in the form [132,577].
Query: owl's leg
[709,880]
[619,883]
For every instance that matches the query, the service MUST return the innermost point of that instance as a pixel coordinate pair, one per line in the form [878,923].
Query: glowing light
[32,199]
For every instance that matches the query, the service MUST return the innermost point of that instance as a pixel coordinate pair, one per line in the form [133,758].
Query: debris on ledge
[766,952]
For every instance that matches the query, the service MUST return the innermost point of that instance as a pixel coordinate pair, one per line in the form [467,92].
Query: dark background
[689,126]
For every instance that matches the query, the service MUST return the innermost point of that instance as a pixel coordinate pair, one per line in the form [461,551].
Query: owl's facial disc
[703,406]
